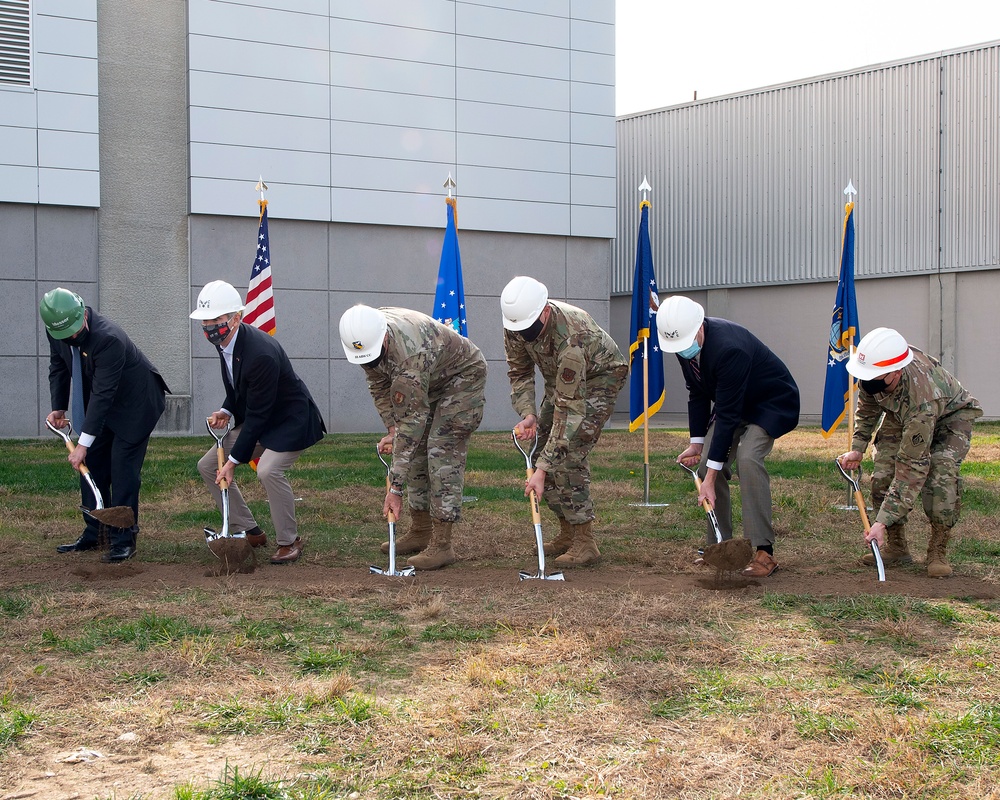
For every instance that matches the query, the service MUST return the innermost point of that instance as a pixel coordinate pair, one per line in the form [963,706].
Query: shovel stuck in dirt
[232,549]
[391,570]
[114,517]
[859,498]
[536,518]
[729,555]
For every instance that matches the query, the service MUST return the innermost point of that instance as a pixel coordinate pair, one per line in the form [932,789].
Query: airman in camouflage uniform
[583,371]
[428,384]
[926,426]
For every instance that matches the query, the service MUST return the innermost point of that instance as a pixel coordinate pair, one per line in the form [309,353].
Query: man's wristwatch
[395,491]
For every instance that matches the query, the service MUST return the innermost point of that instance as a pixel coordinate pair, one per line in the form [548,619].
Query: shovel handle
[536,515]
[388,481]
[704,503]
[221,458]
[860,500]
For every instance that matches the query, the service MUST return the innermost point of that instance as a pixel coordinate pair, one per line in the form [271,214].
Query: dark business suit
[275,418]
[741,397]
[123,397]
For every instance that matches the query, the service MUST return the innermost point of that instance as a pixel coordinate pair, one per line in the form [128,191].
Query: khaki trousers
[271,471]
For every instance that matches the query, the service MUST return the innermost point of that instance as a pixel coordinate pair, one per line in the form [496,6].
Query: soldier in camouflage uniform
[428,383]
[583,371]
[925,432]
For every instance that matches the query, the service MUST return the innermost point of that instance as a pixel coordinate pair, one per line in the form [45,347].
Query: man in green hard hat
[123,397]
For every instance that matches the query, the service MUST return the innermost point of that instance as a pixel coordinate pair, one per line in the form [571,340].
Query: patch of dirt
[792,577]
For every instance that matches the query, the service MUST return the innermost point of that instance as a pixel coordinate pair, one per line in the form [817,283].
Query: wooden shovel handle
[388,487]
[860,500]
[536,515]
[71,447]
[221,458]
[697,485]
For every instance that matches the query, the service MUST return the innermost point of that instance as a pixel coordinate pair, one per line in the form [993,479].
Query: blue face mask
[690,352]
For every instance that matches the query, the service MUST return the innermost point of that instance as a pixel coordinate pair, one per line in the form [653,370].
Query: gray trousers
[751,445]
[271,472]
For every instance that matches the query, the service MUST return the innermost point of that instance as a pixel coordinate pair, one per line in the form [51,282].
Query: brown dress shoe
[763,564]
[288,553]
[256,537]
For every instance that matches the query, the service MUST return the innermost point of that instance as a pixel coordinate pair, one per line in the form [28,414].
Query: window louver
[15,42]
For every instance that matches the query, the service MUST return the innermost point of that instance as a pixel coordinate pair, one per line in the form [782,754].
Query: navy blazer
[122,390]
[745,381]
[267,398]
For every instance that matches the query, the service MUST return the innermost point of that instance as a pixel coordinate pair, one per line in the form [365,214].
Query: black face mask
[81,337]
[530,333]
[875,386]
[375,361]
[217,334]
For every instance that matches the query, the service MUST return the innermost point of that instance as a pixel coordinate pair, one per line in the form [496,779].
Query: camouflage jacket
[421,360]
[926,395]
[572,352]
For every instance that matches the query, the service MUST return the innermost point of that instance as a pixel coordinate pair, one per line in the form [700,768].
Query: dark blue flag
[646,391]
[449,300]
[844,329]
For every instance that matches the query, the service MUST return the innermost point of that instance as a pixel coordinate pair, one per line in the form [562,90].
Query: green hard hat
[62,311]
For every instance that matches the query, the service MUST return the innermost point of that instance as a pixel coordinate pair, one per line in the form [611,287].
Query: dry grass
[632,680]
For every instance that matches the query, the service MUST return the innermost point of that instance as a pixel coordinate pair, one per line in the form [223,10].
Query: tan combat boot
[583,551]
[937,548]
[418,535]
[438,553]
[896,550]
[562,542]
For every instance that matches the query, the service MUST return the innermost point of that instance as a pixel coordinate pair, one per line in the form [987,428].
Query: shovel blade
[540,576]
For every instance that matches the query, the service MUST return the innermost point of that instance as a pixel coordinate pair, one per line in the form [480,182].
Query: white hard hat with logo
[362,331]
[677,322]
[880,351]
[522,301]
[216,299]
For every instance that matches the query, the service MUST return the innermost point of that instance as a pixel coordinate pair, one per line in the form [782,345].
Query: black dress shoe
[116,554]
[83,543]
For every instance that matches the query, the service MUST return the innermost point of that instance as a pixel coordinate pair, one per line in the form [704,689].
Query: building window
[15,42]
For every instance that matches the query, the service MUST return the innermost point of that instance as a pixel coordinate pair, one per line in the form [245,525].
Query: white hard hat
[216,299]
[677,322]
[362,331]
[522,302]
[880,351]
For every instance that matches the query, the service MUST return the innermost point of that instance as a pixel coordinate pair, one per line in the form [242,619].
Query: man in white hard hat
[274,415]
[741,397]
[583,371]
[925,433]
[123,397]
[428,383]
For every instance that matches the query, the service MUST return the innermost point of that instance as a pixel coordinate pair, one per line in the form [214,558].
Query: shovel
[536,518]
[859,498]
[730,555]
[232,549]
[391,572]
[114,517]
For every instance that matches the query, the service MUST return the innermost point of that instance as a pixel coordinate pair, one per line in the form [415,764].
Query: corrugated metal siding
[748,189]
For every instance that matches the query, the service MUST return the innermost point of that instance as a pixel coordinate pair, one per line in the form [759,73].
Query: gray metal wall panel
[747,189]
[408,80]
[970,184]
[48,133]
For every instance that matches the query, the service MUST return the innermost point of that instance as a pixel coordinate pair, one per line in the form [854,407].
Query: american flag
[260,300]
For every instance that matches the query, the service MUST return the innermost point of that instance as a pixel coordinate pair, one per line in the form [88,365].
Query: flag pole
[645,188]
[850,191]
[645,420]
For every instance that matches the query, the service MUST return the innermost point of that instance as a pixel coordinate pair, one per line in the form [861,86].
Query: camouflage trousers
[436,476]
[941,494]
[567,489]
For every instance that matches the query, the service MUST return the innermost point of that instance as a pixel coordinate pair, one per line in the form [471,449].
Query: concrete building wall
[354,116]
